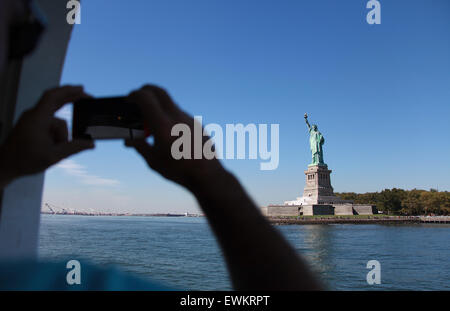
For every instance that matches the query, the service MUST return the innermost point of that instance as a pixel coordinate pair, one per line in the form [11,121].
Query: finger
[156,119]
[58,128]
[164,98]
[147,151]
[52,100]
[167,103]
[67,149]
[87,95]
[176,114]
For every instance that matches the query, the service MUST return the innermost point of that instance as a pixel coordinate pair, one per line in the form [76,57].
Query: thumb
[147,151]
[67,149]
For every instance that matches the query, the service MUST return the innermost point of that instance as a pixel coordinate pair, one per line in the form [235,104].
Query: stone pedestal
[318,183]
[318,198]
[318,189]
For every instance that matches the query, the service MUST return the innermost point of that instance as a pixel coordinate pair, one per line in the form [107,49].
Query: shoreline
[278,221]
[300,220]
[122,214]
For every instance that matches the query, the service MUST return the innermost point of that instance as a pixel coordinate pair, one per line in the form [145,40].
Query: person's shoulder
[70,275]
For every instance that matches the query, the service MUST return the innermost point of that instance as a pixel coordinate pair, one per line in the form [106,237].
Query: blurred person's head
[4,31]
[20,29]
[10,13]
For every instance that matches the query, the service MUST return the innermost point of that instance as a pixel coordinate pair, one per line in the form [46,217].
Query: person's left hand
[39,139]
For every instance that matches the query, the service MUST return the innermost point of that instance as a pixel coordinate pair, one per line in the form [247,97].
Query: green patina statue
[316,141]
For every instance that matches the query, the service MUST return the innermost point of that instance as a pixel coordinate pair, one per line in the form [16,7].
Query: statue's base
[317,183]
[319,209]
[318,198]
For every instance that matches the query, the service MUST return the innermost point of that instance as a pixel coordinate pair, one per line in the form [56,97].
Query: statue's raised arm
[306,120]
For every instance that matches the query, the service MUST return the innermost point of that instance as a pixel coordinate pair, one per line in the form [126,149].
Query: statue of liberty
[316,141]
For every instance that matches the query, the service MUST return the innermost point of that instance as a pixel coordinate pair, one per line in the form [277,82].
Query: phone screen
[107,118]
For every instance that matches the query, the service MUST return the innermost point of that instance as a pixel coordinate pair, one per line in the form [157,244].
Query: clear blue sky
[380,94]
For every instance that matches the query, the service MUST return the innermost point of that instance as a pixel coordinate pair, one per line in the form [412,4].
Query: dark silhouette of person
[257,256]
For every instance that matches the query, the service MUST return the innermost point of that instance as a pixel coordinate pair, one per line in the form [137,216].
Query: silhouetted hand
[39,139]
[161,115]
[258,257]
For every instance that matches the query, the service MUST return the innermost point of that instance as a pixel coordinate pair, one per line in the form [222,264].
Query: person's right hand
[161,114]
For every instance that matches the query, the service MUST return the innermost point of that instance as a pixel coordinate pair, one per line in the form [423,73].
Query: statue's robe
[316,141]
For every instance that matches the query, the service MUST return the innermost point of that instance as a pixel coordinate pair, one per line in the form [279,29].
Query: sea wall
[343,209]
[319,209]
[344,220]
[322,209]
[282,210]
[361,209]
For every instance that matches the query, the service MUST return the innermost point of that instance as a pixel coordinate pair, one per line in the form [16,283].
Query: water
[182,252]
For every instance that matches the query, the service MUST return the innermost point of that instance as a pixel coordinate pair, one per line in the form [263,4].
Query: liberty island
[318,196]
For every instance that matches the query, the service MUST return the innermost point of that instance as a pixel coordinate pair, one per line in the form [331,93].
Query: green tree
[404,202]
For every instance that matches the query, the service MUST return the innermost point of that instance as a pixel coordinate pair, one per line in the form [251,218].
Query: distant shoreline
[359,220]
[301,220]
[123,214]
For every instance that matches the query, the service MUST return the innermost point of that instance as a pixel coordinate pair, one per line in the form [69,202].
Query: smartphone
[107,118]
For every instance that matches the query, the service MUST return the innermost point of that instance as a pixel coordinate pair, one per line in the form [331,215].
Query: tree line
[404,202]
